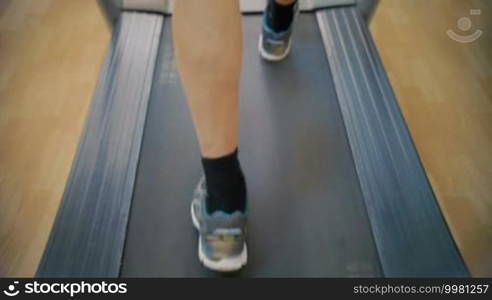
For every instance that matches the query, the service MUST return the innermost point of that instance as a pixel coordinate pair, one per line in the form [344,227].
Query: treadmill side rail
[89,232]
[409,229]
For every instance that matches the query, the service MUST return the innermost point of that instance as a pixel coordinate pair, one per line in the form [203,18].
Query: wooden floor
[50,55]
[51,52]
[445,91]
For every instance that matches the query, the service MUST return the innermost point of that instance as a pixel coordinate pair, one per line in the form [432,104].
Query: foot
[275,45]
[222,240]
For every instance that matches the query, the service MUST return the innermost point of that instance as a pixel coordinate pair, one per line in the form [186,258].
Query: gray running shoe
[275,46]
[222,241]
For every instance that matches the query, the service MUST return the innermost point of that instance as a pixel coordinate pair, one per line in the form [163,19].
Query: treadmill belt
[306,211]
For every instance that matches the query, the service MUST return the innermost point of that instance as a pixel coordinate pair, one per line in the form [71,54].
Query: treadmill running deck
[307,214]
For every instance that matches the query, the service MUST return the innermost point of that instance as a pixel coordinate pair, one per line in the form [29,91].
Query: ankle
[226,186]
[280,14]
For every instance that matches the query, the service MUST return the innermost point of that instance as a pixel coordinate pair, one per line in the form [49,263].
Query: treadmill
[335,184]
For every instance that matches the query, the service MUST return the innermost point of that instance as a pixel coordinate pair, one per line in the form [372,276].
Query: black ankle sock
[279,17]
[225,182]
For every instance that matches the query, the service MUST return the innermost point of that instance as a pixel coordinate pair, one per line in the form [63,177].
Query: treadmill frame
[87,238]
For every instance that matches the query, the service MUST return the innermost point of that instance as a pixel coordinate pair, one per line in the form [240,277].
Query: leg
[208,43]
[282,13]
[285,2]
